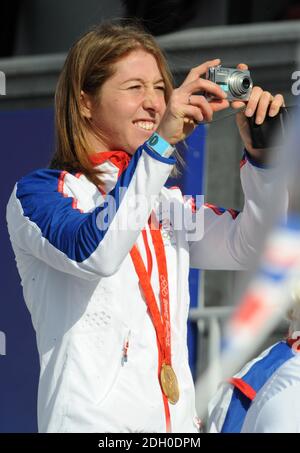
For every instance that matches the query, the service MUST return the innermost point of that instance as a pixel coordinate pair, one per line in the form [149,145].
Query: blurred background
[35,36]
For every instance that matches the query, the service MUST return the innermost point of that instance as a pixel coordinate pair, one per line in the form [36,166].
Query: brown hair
[88,65]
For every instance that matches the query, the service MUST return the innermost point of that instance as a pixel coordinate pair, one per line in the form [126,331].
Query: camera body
[235,82]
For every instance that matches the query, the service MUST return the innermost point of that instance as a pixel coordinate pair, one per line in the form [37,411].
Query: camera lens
[239,84]
[246,83]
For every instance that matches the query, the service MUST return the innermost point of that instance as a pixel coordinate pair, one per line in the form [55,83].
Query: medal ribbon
[160,320]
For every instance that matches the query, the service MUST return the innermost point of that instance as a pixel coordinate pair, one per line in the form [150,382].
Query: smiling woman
[130,106]
[105,95]
[104,279]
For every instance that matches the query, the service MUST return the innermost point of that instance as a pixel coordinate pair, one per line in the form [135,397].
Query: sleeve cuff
[160,145]
[155,155]
[253,161]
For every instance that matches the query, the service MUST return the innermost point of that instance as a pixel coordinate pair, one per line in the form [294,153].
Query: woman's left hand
[257,104]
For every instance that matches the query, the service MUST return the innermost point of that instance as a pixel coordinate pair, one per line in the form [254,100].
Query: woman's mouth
[145,125]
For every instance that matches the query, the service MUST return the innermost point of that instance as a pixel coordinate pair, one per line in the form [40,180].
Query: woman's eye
[162,88]
[135,87]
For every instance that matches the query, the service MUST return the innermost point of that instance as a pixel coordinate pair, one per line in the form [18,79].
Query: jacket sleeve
[277,410]
[230,239]
[43,223]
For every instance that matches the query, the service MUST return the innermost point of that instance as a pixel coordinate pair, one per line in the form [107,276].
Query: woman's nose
[151,100]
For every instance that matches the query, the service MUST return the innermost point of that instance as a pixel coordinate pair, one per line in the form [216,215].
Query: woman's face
[130,105]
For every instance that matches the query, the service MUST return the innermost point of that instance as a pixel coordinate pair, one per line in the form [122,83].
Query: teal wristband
[159,145]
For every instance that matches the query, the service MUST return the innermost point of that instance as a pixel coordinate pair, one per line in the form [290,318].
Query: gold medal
[169,383]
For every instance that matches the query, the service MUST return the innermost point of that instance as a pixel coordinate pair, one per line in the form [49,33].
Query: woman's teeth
[147,125]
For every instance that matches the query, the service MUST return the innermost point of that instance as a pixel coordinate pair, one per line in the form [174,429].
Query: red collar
[120,159]
[291,342]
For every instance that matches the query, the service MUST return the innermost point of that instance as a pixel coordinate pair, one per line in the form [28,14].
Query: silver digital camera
[235,82]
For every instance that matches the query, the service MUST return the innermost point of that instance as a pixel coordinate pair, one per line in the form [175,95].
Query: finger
[203,85]
[262,108]
[218,105]
[242,66]
[189,125]
[196,72]
[276,104]
[203,104]
[192,112]
[253,101]
[238,104]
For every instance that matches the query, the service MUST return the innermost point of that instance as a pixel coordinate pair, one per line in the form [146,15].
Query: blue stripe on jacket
[256,377]
[74,233]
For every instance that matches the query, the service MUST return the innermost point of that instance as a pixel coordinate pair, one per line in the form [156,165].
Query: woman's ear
[86,105]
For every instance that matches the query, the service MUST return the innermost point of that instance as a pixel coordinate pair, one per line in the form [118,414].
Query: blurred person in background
[264,397]
[103,267]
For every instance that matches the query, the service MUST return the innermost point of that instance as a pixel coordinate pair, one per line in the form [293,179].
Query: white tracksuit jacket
[82,291]
[264,397]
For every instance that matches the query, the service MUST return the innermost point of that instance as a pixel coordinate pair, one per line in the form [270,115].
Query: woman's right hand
[186,109]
